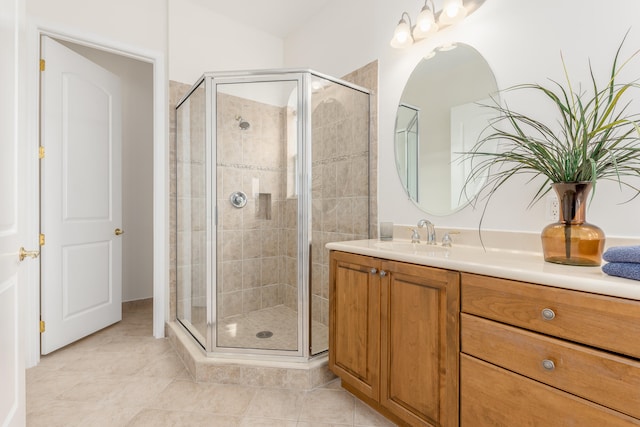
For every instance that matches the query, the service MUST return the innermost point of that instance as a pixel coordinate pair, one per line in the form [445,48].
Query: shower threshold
[256,371]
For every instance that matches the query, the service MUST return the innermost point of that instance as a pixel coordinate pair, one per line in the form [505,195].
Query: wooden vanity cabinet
[539,355]
[394,337]
[354,322]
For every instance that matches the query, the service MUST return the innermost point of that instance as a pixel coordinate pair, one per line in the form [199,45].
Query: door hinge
[41,239]
[41,152]
[42,326]
[42,65]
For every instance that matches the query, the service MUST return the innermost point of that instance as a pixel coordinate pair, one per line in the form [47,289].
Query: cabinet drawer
[596,320]
[611,380]
[494,397]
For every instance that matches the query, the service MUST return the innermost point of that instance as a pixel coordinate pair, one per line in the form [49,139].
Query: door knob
[24,253]
[118,231]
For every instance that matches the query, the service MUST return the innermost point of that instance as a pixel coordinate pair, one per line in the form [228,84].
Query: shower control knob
[238,199]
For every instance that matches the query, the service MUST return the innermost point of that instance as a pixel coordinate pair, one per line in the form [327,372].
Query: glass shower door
[339,186]
[257,296]
[191,216]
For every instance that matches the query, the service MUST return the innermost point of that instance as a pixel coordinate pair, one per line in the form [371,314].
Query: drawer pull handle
[548,314]
[373,271]
[383,273]
[548,365]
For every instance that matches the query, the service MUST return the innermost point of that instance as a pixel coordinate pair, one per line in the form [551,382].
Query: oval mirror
[440,116]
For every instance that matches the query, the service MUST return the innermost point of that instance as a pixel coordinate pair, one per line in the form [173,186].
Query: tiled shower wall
[338,213]
[252,242]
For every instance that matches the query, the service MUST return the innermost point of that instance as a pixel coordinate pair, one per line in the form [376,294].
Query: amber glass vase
[572,240]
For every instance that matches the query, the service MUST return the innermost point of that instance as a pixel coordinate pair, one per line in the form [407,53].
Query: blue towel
[628,270]
[622,254]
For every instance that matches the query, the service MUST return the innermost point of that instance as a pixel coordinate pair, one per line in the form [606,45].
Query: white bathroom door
[12,213]
[81,206]
[467,123]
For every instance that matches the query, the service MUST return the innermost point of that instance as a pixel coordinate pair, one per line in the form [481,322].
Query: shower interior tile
[263,206]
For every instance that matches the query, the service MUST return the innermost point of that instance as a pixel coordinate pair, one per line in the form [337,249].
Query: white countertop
[509,264]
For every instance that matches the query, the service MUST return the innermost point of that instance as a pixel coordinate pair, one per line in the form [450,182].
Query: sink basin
[410,247]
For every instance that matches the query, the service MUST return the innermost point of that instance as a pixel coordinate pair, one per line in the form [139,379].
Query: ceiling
[276,17]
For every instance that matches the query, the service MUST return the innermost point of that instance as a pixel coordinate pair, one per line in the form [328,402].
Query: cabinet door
[420,344]
[354,321]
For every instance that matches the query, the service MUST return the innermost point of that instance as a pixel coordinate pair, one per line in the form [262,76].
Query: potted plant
[596,138]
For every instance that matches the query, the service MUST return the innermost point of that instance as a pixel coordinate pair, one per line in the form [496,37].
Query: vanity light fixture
[453,11]
[425,23]
[402,35]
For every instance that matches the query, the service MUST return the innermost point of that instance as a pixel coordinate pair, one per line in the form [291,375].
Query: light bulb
[425,24]
[402,35]
[453,11]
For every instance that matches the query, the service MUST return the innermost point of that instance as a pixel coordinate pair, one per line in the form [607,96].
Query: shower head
[244,125]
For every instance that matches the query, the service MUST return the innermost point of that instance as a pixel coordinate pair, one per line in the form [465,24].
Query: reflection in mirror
[407,145]
[444,95]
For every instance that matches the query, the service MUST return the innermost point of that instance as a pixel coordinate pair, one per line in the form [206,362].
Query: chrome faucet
[431,231]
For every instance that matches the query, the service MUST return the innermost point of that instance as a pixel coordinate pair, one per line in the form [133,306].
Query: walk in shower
[271,165]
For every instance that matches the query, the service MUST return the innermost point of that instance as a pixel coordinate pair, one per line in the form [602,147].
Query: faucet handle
[415,236]
[447,240]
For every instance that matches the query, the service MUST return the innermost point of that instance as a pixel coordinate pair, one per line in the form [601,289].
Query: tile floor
[122,376]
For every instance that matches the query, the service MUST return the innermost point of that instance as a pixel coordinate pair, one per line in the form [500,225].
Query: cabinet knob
[383,273]
[548,314]
[373,271]
[548,365]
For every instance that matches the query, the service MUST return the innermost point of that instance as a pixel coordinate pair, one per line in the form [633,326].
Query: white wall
[140,23]
[521,42]
[201,41]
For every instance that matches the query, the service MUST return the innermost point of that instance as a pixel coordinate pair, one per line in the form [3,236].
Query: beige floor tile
[274,403]
[106,363]
[335,384]
[328,406]
[107,416]
[49,384]
[266,422]
[118,378]
[366,416]
[61,413]
[225,399]
[58,358]
[320,424]
[136,391]
[179,396]
[167,365]
[160,418]
[94,389]
[91,343]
